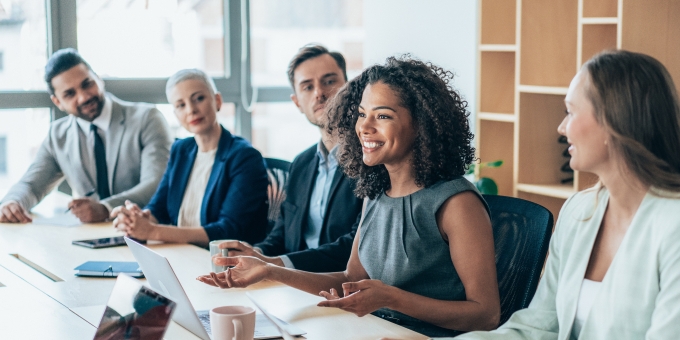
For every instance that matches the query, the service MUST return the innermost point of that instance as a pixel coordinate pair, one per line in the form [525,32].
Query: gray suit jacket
[137,150]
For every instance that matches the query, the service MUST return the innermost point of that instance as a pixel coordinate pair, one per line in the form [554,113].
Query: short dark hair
[311,51]
[442,149]
[61,61]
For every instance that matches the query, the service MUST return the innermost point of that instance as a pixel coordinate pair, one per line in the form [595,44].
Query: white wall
[441,31]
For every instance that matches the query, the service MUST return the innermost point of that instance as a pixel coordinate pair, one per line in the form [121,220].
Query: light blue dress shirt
[318,202]
[319,198]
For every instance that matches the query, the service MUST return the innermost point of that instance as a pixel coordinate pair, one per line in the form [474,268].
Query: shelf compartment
[540,154]
[553,204]
[549,42]
[497,48]
[497,88]
[496,141]
[498,117]
[597,38]
[544,89]
[652,27]
[557,190]
[498,21]
[600,8]
[599,21]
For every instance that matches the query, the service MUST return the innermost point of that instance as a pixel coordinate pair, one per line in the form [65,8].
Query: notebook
[109,269]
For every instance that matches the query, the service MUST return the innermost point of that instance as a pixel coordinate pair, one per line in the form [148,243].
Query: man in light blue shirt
[320,209]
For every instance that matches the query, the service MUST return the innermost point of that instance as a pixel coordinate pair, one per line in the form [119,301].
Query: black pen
[90,193]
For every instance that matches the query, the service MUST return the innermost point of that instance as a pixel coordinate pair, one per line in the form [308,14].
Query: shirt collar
[325,156]
[102,122]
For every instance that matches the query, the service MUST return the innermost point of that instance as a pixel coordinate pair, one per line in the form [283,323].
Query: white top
[190,210]
[586,298]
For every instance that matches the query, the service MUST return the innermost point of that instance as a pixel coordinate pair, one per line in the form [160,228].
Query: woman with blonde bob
[614,266]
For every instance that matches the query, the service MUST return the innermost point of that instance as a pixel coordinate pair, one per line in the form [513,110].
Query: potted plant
[485,185]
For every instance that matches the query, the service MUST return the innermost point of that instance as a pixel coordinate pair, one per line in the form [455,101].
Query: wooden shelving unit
[528,52]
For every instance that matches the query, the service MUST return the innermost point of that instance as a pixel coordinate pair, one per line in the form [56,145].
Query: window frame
[62,33]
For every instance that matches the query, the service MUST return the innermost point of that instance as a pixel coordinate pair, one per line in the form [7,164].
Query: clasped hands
[133,221]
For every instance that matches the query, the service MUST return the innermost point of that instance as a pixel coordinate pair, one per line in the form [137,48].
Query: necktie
[100,161]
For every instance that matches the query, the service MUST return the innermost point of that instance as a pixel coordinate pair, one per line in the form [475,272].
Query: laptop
[161,277]
[134,312]
[284,333]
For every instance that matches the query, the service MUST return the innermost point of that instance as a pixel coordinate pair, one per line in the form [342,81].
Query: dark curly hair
[442,148]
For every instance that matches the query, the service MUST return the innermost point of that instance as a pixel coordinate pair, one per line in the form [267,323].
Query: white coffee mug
[232,323]
[214,249]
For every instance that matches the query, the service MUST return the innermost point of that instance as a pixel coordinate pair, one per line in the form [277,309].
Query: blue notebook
[109,269]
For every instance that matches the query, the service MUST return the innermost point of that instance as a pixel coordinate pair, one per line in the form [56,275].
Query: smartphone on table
[104,242]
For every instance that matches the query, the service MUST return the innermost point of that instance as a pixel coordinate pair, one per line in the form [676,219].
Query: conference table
[41,298]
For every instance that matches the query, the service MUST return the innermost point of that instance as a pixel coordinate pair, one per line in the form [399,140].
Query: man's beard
[99,100]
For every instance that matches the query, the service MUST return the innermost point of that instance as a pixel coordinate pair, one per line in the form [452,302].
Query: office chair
[277,173]
[521,231]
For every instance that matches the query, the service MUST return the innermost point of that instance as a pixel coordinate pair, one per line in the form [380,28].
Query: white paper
[61,220]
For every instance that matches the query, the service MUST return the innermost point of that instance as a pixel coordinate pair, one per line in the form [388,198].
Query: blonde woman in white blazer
[614,266]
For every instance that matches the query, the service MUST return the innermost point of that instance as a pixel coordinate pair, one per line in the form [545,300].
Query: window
[23,45]
[278,30]
[151,38]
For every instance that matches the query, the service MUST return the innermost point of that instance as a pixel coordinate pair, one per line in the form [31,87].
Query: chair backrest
[277,172]
[521,231]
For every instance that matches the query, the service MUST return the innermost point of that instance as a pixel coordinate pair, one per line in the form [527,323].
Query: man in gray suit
[107,150]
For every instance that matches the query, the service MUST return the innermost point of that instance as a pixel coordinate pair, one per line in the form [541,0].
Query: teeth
[372,145]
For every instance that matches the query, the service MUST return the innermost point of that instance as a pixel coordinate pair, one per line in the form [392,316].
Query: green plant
[485,185]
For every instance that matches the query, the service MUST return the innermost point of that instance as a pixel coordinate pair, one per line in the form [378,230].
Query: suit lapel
[74,157]
[217,171]
[114,138]
[334,187]
[579,257]
[309,173]
[180,179]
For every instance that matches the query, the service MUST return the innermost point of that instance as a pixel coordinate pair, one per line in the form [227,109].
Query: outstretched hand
[360,298]
[241,248]
[246,271]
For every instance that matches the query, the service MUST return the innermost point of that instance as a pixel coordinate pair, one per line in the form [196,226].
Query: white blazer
[639,297]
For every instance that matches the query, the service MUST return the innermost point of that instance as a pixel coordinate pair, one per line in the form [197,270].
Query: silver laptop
[162,278]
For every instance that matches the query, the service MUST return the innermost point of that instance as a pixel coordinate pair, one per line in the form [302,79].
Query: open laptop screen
[134,312]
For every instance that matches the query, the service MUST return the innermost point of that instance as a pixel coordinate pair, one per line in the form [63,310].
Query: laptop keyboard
[205,320]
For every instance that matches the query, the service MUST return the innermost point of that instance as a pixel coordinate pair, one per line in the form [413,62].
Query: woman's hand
[246,271]
[360,297]
[133,221]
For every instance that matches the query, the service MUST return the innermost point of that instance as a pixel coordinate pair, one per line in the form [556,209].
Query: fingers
[332,295]
[226,261]
[234,244]
[220,283]
[349,288]
[19,214]
[207,279]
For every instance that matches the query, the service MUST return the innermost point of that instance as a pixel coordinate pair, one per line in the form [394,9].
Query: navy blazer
[235,201]
[342,210]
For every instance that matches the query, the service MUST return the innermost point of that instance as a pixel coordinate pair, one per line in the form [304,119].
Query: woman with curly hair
[423,256]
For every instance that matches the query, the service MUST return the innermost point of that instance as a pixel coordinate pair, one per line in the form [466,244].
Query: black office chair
[521,231]
[277,172]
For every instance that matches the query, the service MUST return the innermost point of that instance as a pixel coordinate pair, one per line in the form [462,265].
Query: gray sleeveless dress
[400,245]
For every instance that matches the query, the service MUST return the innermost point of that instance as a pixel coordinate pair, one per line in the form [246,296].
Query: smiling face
[79,91]
[195,106]
[316,81]
[586,137]
[385,128]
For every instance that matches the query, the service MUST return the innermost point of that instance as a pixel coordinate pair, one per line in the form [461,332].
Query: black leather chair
[277,172]
[521,231]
